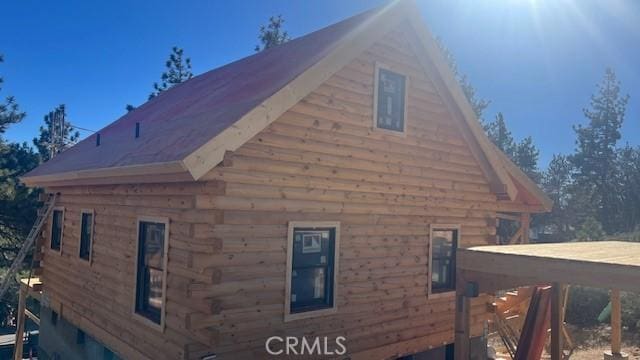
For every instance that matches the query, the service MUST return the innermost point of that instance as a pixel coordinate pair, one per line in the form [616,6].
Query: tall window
[442,249]
[86,234]
[390,97]
[312,268]
[57,222]
[151,269]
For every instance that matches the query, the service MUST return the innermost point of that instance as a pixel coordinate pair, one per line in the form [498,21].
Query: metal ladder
[26,246]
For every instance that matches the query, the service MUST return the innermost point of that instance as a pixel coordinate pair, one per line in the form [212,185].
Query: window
[54,318]
[57,222]
[151,269]
[86,234]
[442,259]
[80,337]
[390,101]
[311,269]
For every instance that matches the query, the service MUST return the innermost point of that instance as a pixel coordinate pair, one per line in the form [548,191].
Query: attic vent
[137,130]
[97,139]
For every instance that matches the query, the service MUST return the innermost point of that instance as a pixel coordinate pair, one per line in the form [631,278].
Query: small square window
[57,222]
[390,98]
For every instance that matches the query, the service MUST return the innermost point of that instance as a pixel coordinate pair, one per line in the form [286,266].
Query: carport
[613,265]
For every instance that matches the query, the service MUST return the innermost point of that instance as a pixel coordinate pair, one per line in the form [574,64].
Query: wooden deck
[604,264]
[611,265]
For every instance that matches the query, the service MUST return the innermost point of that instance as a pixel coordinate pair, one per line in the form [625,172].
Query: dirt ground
[590,344]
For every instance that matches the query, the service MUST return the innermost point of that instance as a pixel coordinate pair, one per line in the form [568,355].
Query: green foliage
[524,154]
[45,144]
[18,203]
[630,304]
[501,136]
[596,154]
[272,34]
[585,304]
[590,230]
[178,71]
[628,194]
[9,110]
[556,182]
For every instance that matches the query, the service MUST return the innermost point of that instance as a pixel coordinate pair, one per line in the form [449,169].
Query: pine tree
[526,157]
[45,143]
[178,71]
[18,203]
[500,135]
[272,34]
[595,154]
[628,170]
[556,183]
[9,110]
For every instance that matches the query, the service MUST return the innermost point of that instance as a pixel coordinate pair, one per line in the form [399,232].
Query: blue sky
[537,60]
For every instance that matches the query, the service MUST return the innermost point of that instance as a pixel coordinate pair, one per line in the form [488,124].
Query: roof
[605,264]
[186,130]
[178,121]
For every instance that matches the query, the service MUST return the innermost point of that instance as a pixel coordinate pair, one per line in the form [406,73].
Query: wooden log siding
[320,161]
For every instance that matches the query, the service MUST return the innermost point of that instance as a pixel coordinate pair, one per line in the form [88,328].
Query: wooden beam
[556,321]
[616,323]
[525,220]
[515,238]
[512,217]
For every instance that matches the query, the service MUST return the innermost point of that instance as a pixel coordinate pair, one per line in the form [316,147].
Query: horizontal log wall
[98,296]
[321,161]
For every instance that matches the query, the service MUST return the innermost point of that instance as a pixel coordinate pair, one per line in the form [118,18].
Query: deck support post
[556,321]
[22,304]
[616,328]
[464,292]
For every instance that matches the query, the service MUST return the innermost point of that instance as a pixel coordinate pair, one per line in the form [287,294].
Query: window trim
[378,65]
[432,228]
[160,220]
[92,233]
[57,208]
[288,316]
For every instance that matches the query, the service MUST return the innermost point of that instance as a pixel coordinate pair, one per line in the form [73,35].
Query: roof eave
[154,172]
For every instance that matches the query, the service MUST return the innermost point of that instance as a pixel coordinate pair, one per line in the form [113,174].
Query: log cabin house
[319,188]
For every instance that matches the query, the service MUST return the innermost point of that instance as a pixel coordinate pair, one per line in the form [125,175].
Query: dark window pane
[150,270]
[443,247]
[313,268]
[86,232]
[391,97]
[56,229]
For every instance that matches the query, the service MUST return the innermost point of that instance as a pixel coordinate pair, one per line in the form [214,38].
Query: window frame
[288,315]
[376,77]
[91,234]
[440,227]
[57,208]
[159,220]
